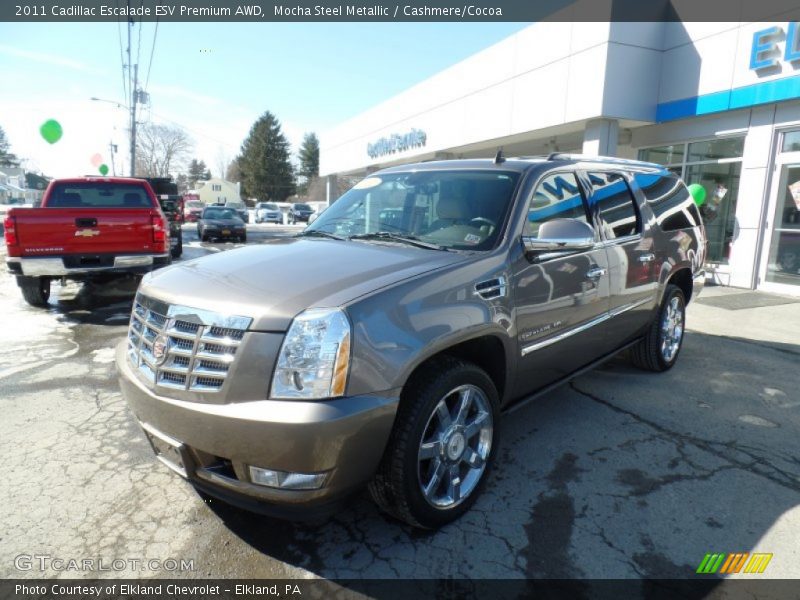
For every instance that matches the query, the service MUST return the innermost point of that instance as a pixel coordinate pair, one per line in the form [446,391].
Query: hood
[274,282]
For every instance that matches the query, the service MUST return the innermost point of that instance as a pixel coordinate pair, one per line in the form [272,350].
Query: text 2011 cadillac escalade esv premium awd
[381,345]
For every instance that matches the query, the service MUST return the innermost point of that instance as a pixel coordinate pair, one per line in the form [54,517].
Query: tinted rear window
[669,200]
[99,195]
[219,213]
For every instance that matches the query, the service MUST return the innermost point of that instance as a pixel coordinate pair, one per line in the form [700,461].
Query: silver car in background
[268,212]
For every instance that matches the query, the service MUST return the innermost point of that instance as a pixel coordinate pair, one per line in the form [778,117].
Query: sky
[212,79]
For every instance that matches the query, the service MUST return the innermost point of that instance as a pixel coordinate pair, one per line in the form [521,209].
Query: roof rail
[611,159]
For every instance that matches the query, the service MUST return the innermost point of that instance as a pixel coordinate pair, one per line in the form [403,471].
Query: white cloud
[50,59]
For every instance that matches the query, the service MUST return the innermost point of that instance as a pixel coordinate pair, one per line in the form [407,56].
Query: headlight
[315,356]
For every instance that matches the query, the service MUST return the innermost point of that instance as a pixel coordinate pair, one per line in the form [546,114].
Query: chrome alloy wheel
[455,446]
[671,329]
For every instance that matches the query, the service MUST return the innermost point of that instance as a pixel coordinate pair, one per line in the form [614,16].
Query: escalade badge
[160,348]
[86,232]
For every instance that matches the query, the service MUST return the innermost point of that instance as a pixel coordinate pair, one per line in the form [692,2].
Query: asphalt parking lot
[621,474]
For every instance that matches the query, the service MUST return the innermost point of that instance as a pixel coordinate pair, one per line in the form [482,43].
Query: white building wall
[547,76]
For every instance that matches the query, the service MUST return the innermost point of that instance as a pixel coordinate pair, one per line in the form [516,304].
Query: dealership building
[718,103]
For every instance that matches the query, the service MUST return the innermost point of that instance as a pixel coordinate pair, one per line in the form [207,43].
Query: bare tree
[161,149]
[223,161]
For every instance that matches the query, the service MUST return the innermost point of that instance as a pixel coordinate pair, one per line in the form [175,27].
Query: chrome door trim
[582,327]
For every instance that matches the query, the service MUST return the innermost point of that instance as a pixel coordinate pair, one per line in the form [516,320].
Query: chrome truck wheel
[442,445]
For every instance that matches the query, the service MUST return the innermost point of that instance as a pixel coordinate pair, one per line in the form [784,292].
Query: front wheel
[442,446]
[35,290]
[658,350]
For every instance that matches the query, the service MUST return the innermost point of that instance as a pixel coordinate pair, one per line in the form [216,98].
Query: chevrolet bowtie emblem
[86,232]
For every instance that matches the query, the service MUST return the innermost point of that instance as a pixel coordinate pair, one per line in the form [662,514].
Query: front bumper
[344,438]
[57,267]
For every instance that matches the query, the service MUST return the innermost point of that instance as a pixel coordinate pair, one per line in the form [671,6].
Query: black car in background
[299,212]
[221,222]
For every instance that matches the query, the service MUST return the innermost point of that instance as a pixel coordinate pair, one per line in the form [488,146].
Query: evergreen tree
[197,172]
[7,159]
[309,162]
[266,170]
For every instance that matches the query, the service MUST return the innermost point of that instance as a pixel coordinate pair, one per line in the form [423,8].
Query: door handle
[596,273]
[646,258]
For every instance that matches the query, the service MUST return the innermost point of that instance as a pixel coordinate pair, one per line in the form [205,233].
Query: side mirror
[560,236]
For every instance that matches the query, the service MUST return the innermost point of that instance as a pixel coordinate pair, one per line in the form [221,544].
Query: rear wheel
[243,238]
[177,250]
[442,445]
[658,350]
[35,290]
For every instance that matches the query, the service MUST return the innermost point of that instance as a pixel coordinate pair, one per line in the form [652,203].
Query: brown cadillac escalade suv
[381,345]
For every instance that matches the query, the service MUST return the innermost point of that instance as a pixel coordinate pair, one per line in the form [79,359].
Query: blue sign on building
[765,52]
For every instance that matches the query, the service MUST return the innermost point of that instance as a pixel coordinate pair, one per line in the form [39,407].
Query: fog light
[287,481]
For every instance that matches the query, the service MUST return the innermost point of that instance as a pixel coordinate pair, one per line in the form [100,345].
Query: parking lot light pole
[135,97]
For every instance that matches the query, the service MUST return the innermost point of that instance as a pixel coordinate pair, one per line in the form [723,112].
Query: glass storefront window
[791,141]
[715,149]
[703,165]
[663,155]
[784,252]
[721,182]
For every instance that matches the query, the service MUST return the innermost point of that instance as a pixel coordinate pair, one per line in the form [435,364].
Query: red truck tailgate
[61,231]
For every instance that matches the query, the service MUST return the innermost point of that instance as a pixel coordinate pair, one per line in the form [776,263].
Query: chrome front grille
[183,348]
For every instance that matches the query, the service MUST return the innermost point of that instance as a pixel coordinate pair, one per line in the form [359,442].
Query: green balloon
[103,169]
[698,192]
[51,131]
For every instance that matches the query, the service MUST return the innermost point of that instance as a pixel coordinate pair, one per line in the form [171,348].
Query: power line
[152,51]
[121,58]
[139,43]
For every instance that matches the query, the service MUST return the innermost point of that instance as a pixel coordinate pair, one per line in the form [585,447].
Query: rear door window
[99,195]
[613,206]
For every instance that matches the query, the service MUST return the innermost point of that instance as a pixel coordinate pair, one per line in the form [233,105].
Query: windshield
[270,206]
[220,213]
[194,204]
[302,207]
[464,210]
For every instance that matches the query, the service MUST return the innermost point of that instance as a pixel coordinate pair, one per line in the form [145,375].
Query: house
[217,191]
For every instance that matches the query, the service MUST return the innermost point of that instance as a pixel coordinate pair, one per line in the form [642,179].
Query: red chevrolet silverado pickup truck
[86,226]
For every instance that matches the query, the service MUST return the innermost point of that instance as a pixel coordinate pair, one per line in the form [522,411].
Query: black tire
[651,353]
[243,239]
[35,290]
[203,237]
[177,250]
[397,485]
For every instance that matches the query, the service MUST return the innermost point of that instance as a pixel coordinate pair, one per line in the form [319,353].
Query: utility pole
[134,98]
[133,86]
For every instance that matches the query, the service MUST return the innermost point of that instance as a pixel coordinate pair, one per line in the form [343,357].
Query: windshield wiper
[319,233]
[394,237]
